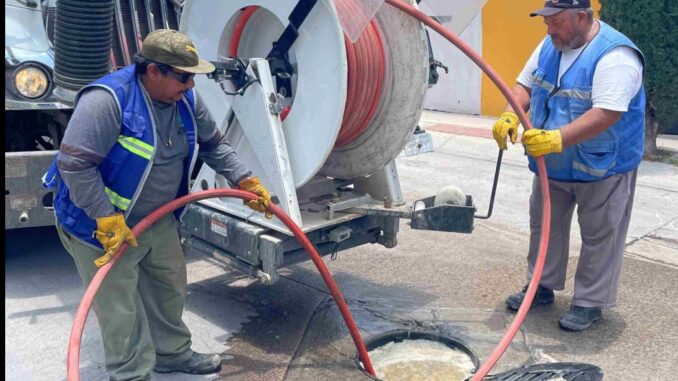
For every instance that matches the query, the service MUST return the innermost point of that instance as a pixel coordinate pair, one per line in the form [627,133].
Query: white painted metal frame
[313,124]
[263,129]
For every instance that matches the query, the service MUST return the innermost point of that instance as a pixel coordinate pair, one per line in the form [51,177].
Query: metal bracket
[342,205]
[379,211]
[275,105]
[230,69]
[448,218]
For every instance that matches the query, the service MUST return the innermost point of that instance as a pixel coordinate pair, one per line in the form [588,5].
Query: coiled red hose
[73,360]
[366,62]
[541,169]
[366,71]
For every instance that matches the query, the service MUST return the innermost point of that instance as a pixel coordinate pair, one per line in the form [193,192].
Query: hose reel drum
[320,90]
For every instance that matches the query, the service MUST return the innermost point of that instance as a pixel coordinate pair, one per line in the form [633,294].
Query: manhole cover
[413,356]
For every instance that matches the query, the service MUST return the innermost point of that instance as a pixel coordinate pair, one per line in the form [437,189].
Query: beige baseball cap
[172,48]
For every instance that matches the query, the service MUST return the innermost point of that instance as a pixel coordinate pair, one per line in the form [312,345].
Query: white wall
[459,90]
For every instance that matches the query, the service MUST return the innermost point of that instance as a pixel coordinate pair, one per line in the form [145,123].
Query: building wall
[459,90]
[509,37]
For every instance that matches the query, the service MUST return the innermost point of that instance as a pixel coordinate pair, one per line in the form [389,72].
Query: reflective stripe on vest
[136,146]
[591,171]
[576,94]
[117,200]
[544,84]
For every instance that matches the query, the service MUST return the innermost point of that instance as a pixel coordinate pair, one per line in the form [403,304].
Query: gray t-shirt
[93,130]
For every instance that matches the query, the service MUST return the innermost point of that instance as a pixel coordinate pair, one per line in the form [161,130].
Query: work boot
[198,363]
[543,296]
[580,318]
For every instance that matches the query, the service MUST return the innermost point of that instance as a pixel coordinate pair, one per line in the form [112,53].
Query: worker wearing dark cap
[129,148]
[583,89]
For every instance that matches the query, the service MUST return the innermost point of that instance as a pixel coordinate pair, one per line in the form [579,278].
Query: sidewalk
[481,126]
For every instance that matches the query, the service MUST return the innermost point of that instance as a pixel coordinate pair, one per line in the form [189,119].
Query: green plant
[653,26]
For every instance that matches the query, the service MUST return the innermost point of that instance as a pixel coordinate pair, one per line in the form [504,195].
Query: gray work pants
[140,303]
[603,211]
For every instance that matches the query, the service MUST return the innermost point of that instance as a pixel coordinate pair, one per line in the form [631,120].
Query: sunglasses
[181,77]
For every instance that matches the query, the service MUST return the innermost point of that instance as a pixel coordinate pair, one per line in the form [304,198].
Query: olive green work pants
[140,303]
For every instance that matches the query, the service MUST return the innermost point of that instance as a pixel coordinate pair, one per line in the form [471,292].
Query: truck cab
[35,117]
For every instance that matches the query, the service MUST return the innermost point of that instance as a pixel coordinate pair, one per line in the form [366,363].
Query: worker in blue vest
[129,148]
[583,87]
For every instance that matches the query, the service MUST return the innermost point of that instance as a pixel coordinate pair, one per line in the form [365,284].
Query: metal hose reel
[319,91]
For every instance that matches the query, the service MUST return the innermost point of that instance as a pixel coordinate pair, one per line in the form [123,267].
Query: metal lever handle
[494,187]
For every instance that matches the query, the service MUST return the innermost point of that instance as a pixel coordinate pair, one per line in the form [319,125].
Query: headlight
[31,81]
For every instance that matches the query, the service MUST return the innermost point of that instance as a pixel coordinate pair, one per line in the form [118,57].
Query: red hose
[543,179]
[73,360]
[366,61]
[81,315]
[239,28]
[366,72]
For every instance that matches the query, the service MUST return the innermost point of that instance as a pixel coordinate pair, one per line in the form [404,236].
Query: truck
[284,93]
[35,117]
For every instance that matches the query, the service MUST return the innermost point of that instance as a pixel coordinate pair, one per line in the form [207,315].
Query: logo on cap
[190,48]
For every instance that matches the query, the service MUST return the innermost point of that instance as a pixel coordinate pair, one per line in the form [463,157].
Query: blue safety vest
[126,167]
[619,149]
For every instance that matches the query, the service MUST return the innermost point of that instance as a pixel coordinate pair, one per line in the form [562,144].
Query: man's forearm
[522,94]
[224,161]
[587,126]
[87,192]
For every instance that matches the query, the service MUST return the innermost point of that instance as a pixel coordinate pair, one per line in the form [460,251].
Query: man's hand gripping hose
[252,184]
[541,168]
[112,231]
[73,359]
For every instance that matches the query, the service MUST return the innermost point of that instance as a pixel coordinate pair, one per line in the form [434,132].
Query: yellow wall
[509,37]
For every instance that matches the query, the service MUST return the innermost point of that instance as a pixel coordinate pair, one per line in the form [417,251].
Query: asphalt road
[447,283]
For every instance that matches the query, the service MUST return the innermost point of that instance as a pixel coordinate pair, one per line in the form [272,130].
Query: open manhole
[410,356]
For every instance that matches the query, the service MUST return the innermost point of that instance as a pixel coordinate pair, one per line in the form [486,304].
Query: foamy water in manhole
[421,357]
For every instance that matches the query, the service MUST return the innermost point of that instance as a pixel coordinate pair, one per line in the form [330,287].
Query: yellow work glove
[252,184]
[542,142]
[506,125]
[112,231]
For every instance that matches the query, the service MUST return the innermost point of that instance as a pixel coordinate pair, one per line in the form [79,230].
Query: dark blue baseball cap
[551,7]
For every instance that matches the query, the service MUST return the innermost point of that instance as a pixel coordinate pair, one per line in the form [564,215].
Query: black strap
[278,58]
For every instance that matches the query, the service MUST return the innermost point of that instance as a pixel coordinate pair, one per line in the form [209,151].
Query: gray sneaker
[580,318]
[198,363]
[542,296]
